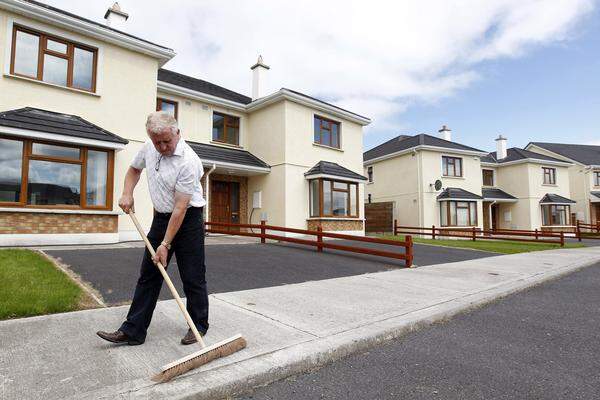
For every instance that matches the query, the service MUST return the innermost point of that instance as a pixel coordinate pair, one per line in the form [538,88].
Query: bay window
[37,174]
[458,213]
[555,214]
[332,198]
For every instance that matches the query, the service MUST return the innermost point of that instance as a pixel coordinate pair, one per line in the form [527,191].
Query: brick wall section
[379,217]
[31,223]
[334,225]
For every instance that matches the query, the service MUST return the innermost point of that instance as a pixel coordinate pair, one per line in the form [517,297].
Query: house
[407,170]
[74,99]
[584,175]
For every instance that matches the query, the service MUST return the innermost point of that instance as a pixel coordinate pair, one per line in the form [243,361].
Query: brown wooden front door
[225,202]
[494,217]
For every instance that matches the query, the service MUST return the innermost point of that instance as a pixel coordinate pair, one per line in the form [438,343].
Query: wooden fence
[588,231]
[318,242]
[475,233]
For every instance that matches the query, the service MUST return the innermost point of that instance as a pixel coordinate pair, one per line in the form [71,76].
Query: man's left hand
[161,255]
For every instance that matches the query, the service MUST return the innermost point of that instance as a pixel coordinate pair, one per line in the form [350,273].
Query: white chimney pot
[115,17]
[445,133]
[259,78]
[501,147]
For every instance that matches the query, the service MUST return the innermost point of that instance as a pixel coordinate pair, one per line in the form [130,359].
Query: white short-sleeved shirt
[180,172]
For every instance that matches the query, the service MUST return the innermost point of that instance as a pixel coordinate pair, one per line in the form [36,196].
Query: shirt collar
[180,147]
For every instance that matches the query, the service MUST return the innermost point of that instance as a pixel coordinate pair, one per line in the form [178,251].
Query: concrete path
[289,329]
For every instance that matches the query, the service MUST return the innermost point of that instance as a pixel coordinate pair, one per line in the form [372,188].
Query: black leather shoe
[118,337]
[189,337]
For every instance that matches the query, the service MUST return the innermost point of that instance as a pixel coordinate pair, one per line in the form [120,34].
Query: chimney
[259,75]
[115,17]
[501,147]
[445,133]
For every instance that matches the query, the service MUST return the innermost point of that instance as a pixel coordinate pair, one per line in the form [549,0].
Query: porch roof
[494,194]
[223,156]
[595,197]
[457,194]
[327,168]
[551,198]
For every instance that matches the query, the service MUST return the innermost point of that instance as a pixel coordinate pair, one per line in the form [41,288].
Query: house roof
[496,194]
[35,119]
[551,198]
[583,153]
[516,154]
[323,102]
[89,21]
[198,85]
[595,194]
[457,194]
[209,152]
[333,169]
[405,142]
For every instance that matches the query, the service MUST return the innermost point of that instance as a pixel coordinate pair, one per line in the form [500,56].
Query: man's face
[165,142]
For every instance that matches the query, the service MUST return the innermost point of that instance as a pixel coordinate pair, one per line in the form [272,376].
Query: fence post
[578,231]
[474,232]
[536,234]
[597,226]
[395,227]
[409,250]
[263,231]
[319,239]
[433,232]
[562,239]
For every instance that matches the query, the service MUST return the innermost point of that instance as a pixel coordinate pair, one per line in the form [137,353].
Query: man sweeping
[174,171]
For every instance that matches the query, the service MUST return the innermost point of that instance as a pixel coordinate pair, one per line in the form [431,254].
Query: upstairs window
[370,174]
[549,176]
[51,59]
[226,129]
[488,177]
[596,178]
[327,132]
[168,106]
[452,166]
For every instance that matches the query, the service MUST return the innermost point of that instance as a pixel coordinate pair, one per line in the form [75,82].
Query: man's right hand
[126,203]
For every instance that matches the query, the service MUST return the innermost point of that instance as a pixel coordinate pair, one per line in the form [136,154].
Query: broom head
[204,356]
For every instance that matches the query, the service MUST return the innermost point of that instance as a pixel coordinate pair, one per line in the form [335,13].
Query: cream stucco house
[74,95]
[435,181]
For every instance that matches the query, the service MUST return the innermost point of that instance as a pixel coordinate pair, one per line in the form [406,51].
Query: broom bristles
[199,358]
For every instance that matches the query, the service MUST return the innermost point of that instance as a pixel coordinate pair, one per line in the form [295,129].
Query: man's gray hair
[159,121]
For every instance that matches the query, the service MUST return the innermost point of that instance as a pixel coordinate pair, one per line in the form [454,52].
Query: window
[38,174]
[168,106]
[549,176]
[50,59]
[596,178]
[554,214]
[451,166]
[458,213]
[226,128]
[327,132]
[330,198]
[488,177]
[370,174]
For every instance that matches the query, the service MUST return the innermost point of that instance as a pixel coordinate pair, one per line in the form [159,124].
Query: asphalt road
[114,272]
[540,344]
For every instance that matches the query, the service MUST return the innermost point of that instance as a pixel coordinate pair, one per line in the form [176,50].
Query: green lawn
[496,246]
[31,285]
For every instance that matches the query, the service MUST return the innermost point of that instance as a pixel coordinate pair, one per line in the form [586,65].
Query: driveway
[113,272]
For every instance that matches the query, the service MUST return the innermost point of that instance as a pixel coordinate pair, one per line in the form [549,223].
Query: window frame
[226,118]
[483,170]
[353,213]
[448,222]
[160,100]
[596,178]
[329,123]
[450,160]
[43,50]
[82,161]
[547,214]
[370,173]
[551,174]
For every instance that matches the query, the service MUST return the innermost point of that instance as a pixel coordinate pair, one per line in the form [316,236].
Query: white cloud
[374,57]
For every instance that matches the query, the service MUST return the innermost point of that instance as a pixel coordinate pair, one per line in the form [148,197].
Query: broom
[208,353]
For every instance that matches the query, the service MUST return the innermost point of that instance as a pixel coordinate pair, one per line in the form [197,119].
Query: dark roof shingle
[330,168]
[35,119]
[198,85]
[583,153]
[494,194]
[405,142]
[458,193]
[209,152]
[551,198]
[515,154]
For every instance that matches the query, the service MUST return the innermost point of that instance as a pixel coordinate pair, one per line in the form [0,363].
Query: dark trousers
[188,246]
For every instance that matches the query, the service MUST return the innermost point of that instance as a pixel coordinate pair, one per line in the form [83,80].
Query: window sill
[470,227]
[558,226]
[550,184]
[327,147]
[335,218]
[224,144]
[51,85]
[58,211]
[453,177]
[370,183]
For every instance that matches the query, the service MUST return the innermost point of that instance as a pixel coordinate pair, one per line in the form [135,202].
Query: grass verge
[495,246]
[31,285]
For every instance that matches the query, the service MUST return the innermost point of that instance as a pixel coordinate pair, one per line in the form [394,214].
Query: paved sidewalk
[289,329]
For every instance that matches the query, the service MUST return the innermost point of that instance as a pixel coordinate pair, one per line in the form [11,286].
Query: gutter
[207,194]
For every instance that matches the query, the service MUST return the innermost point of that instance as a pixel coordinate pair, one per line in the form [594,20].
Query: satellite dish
[438,185]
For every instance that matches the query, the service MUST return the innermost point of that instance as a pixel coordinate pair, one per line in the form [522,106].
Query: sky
[526,69]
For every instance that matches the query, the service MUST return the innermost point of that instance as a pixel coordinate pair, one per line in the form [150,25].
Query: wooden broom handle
[168,280]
